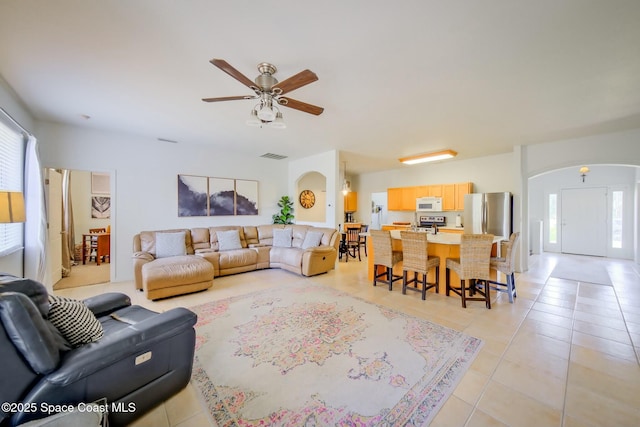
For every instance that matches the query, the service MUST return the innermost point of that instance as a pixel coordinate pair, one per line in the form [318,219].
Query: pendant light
[346,185]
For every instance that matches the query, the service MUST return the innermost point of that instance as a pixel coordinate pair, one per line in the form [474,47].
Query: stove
[428,221]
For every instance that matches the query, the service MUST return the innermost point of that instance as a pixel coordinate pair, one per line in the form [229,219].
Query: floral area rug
[308,355]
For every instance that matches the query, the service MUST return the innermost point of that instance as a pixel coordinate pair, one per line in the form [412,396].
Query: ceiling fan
[270,92]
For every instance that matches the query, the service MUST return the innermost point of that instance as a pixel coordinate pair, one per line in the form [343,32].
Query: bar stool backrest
[475,256]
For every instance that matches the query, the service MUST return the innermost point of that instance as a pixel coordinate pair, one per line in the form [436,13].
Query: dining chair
[384,256]
[415,259]
[363,237]
[353,243]
[473,265]
[93,247]
[506,266]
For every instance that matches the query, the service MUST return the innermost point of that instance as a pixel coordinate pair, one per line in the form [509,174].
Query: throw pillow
[282,237]
[170,244]
[312,239]
[228,240]
[74,320]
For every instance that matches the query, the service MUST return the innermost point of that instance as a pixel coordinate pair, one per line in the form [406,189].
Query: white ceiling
[395,78]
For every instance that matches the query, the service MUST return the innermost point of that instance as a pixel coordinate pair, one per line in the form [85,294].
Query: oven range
[428,221]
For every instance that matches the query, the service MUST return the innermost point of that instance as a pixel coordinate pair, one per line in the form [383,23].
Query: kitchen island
[443,245]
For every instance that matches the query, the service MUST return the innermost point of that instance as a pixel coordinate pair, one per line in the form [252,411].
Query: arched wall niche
[317,183]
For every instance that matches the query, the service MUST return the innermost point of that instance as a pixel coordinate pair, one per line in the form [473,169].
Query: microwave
[429,204]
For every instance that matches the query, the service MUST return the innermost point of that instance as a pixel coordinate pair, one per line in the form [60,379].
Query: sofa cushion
[312,239]
[237,258]
[74,320]
[200,238]
[170,244]
[282,238]
[229,240]
[213,235]
[148,240]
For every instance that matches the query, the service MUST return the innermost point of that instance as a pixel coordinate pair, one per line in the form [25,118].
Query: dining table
[443,245]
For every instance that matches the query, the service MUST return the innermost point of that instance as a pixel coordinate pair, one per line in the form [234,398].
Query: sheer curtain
[35,232]
[68,235]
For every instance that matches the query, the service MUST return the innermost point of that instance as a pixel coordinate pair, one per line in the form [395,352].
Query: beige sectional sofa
[175,262]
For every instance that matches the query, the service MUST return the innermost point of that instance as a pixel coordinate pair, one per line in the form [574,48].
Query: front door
[584,221]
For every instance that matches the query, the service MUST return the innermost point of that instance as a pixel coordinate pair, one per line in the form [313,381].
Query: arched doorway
[314,186]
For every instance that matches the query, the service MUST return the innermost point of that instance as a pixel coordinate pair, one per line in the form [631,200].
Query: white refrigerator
[488,213]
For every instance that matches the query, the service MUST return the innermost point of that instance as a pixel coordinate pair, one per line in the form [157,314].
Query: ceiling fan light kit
[269,91]
[429,157]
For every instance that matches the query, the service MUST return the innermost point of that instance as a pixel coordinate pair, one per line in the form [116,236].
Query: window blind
[11,178]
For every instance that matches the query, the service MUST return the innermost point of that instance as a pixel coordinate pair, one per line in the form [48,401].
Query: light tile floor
[566,353]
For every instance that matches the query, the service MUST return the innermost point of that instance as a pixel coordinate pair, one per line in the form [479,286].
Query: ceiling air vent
[273,156]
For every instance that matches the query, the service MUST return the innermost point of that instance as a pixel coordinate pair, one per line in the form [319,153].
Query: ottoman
[176,275]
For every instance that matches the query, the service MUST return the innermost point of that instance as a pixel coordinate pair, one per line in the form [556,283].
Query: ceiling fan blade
[294,82]
[299,105]
[227,68]
[228,98]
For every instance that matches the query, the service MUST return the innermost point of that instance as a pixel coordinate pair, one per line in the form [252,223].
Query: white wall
[144,180]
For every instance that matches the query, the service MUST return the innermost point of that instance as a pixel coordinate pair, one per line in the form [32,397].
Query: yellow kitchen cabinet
[351,201]
[462,189]
[404,198]
[422,191]
[435,190]
[394,199]
[448,197]
[401,199]
[409,198]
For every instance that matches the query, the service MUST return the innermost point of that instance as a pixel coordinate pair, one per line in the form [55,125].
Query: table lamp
[11,207]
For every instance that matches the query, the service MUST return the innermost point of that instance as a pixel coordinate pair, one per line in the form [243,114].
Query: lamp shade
[11,207]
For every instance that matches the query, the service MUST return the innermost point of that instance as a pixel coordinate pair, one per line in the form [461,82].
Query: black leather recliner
[143,358]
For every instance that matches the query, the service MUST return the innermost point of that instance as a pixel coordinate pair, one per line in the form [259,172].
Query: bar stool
[416,259]
[473,264]
[506,266]
[385,256]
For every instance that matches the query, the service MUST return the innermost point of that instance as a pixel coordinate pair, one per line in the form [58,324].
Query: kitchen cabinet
[435,191]
[422,191]
[351,201]
[449,197]
[404,198]
[401,199]
[462,189]
[394,199]
[409,198]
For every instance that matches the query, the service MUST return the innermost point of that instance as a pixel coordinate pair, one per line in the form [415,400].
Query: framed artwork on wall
[100,183]
[211,196]
[100,207]
[221,196]
[246,197]
[193,195]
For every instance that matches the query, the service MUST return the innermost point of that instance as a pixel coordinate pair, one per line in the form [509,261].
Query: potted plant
[286,211]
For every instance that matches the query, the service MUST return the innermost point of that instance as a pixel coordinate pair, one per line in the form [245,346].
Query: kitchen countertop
[442,238]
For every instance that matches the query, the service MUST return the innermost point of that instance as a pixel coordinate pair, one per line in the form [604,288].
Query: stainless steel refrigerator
[488,213]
